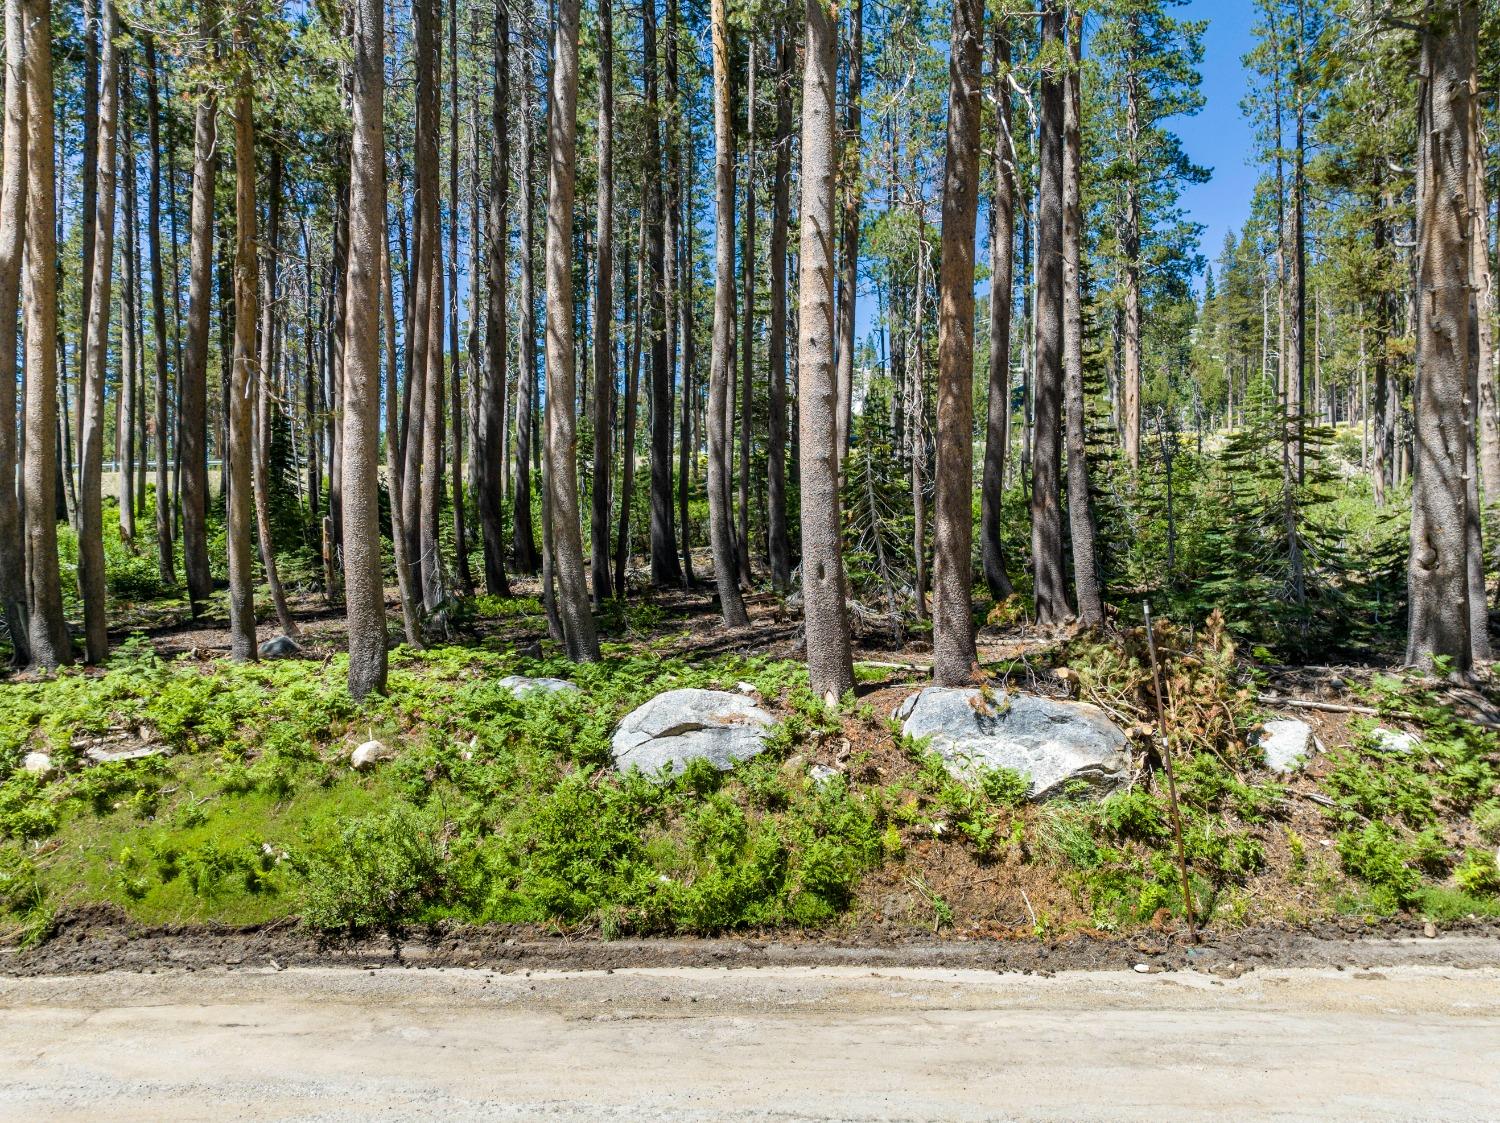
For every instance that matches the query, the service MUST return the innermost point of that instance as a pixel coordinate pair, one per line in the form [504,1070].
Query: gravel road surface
[765,1044]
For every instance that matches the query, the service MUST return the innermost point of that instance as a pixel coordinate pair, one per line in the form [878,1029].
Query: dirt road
[767,1044]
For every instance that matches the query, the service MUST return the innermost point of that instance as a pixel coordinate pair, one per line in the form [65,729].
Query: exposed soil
[101,939]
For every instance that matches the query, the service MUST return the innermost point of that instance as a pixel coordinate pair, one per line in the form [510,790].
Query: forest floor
[219,850]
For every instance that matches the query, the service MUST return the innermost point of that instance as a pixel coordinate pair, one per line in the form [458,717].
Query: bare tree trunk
[627,429]
[665,567]
[779,545]
[1080,504]
[1438,573]
[262,378]
[953,655]
[50,645]
[829,666]
[1130,388]
[849,257]
[677,277]
[432,419]
[747,350]
[604,341]
[13,167]
[721,369]
[916,425]
[527,558]
[242,645]
[683,195]
[364,582]
[1050,583]
[1483,311]
[192,401]
[579,637]
[96,353]
[128,405]
[1383,446]
[491,441]
[463,577]
[997,416]
[1297,343]
[405,580]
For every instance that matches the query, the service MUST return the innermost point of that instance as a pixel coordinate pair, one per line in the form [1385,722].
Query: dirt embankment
[101,939]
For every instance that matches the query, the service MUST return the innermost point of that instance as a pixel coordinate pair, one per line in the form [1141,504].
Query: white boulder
[521,686]
[1287,744]
[1052,743]
[39,764]
[684,725]
[1394,740]
[369,753]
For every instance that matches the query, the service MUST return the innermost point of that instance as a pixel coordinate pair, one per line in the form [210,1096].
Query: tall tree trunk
[491,440]
[411,599]
[89,177]
[684,195]
[916,425]
[1383,443]
[1438,572]
[364,582]
[953,655]
[829,663]
[604,340]
[579,637]
[997,414]
[462,576]
[13,167]
[130,362]
[779,546]
[1080,503]
[627,428]
[721,369]
[1050,582]
[665,567]
[1130,378]
[676,277]
[1482,281]
[96,353]
[747,350]
[192,401]
[1297,340]
[262,376]
[240,455]
[432,418]
[848,289]
[527,558]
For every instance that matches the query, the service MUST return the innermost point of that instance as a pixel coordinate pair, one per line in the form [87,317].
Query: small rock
[39,764]
[521,686]
[1393,740]
[1286,744]
[1430,930]
[821,774]
[747,689]
[113,756]
[280,647]
[794,765]
[1146,969]
[366,755]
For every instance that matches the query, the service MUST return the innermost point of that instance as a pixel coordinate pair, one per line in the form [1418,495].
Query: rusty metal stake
[1166,759]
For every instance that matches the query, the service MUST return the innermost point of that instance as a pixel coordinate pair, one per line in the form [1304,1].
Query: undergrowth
[499,809]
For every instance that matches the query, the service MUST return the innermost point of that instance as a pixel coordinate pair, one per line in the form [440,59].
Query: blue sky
[1218,137]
